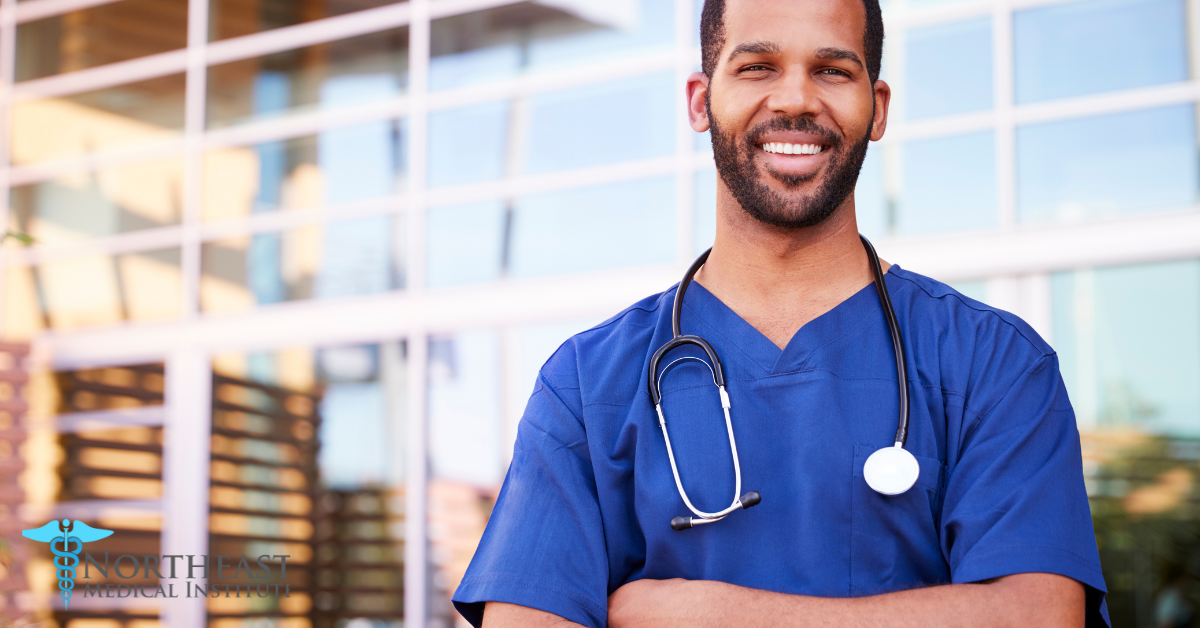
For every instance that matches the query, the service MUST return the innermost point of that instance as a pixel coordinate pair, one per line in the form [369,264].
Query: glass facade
[343,236]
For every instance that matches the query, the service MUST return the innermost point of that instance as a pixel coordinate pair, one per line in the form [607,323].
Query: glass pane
[597,124]
[870,196]
[949,68]
[350,257]
[949,185]
[1128,338]
[89,449]
[1073,170]
[524,37]
[108,33]
[233,18]
[338,165]
[1098,45]
[102,202]
[346,72]
[610,226]
[94,290]
[467,465]
[704,215]
[308,460]
[972,289]
[85,123]
[468,144]
[465,243]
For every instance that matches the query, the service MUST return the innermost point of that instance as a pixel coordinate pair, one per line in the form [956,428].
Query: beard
[735,163]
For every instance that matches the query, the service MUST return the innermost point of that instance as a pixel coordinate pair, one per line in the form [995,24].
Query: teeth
[791,149]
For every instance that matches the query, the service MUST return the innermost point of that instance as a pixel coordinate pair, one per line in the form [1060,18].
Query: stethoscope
[889,470]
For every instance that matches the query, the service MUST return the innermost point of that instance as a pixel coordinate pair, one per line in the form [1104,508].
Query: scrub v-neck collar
[737,341]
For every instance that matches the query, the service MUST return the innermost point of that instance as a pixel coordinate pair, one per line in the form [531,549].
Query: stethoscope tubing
[679,339]
[897,342]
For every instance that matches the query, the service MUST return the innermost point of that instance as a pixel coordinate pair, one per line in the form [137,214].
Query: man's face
[792,107]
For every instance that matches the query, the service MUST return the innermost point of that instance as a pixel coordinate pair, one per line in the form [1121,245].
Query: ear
[697,93]
[883,97]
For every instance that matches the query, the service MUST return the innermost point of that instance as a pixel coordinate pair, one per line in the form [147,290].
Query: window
[1096,46]
[949,68]
[1073,170]
[949,185]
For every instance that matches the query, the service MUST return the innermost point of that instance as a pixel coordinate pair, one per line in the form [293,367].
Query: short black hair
[712,36]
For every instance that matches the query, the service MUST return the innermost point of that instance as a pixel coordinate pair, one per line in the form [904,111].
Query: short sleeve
[1015,500]
[544,545]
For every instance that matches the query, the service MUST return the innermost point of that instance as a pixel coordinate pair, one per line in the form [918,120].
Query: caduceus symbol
[66,558]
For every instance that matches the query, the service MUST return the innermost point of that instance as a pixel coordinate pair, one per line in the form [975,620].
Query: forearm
[501,615]
[1026,600]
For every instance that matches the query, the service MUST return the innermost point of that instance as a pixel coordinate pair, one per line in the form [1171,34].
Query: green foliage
[23,238]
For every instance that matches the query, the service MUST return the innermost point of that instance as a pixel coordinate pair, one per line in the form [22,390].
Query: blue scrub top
[587,502]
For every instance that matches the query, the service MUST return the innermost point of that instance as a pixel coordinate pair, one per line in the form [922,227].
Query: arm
[1026,600]
[501,615]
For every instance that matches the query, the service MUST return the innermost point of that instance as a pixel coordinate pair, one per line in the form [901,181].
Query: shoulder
[610,355]
[934,304]
[964,347]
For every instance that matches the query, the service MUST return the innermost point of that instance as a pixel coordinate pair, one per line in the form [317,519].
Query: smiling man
[980,518]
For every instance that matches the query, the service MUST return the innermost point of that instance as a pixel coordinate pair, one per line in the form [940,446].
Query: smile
[791,149]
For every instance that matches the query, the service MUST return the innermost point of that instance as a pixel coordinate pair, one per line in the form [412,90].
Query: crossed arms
[1028,600]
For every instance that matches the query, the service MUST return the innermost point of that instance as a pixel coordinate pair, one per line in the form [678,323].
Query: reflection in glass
[465,243]
[334,74]
[870,195]
[113,117]
[1074,170]
[344,258]
[704,212]
[98,35]
[468,144]
[308,455]
[465,457]
[949,185]
[1096,46]
[91,291]
[98,203]
[586,126]
[234,18]
[949,68]
[503,42]
[617,225]
[1128,338]
[338,165]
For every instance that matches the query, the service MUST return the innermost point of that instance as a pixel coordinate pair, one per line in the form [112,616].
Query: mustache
[798,125]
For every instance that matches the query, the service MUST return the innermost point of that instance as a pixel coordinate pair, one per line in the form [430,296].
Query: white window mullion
[193,178]
[187,438]
[415,520]
[8,49]
[1002,85]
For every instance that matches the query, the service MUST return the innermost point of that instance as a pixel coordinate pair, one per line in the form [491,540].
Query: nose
[795,94]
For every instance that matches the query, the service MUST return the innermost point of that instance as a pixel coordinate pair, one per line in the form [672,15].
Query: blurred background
[296,263]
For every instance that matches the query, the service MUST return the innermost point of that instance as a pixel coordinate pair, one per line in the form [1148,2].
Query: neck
[780,279]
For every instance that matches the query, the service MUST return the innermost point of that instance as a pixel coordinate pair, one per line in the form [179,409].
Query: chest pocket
[894,540]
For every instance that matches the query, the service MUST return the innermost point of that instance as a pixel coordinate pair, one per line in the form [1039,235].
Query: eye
[835,72]
[756,67]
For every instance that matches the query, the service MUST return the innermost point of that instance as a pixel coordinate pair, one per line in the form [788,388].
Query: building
[298,261]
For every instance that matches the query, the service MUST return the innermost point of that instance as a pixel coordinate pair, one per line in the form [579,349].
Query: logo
[65,558]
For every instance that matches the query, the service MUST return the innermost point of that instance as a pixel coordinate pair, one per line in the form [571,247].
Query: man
[995,532]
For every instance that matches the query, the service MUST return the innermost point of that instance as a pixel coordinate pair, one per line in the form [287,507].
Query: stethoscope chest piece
[891,470]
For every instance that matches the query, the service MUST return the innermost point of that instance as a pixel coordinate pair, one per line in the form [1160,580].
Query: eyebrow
[755,48]
[833,54]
